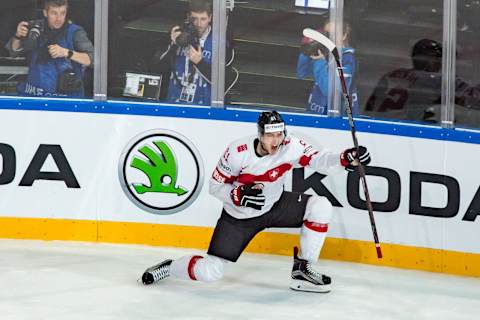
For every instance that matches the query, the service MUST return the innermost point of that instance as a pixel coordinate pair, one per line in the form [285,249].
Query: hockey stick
[326,42]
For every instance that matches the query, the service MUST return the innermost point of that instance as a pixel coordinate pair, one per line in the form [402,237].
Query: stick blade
[319,37]
[379,252]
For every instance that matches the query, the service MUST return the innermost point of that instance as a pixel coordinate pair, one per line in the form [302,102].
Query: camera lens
[182,39]
[188,37]
[34,30]
[34,34]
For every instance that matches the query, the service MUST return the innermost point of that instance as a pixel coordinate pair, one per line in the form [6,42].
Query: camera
[311,48]
[69,82]
[189,36]
[35,29]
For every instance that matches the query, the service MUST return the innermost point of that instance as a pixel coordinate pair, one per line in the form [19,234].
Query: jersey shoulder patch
[242,147]
[231,162]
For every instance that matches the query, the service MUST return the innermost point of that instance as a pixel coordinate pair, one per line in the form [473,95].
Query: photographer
[313,62]
[187,61]
[58,53]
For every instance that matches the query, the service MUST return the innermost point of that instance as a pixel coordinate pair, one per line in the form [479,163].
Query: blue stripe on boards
[388,127]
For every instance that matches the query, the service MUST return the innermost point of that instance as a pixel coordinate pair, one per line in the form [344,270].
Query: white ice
[69,280]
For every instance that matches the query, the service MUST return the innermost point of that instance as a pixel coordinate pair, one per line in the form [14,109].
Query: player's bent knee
[210,269]
[217,268]
[318,209]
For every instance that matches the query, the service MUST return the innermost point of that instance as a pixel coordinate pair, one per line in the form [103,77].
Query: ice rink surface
[70,280]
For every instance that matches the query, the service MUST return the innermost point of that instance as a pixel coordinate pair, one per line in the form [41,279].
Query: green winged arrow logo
[160,168]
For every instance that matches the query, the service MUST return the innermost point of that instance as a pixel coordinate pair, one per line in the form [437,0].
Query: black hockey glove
[248,195]
[348,158]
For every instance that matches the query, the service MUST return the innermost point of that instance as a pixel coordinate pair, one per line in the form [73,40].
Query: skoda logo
[161,171]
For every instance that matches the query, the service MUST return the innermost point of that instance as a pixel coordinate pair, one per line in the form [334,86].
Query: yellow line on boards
[400,256]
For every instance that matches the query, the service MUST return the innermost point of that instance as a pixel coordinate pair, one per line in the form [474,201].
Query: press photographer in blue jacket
[58,50]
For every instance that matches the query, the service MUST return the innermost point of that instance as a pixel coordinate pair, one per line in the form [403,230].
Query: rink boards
[122,173]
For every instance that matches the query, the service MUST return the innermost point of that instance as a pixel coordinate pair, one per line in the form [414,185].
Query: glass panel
[467,98]
[267,37]
[144,66]
[399,58]
[47,50]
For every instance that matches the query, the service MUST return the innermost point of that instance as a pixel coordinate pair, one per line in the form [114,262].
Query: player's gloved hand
[248,195]
[350,160]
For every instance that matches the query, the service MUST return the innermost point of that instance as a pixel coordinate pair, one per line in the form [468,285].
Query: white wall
[93,145]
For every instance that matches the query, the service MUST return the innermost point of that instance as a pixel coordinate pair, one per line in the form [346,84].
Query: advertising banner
[143,169]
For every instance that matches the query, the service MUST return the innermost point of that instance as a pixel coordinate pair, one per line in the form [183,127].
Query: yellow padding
[399,256]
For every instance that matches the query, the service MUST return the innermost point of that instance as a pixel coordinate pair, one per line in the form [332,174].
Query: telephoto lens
[188,37]
[35,28]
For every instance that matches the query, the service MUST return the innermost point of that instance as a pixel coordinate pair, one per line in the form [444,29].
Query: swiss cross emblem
[273,174]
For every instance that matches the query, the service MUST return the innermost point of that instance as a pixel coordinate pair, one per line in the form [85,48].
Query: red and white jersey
[240,165]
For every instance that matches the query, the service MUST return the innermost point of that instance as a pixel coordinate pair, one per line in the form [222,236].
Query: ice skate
[157,272]
[304,278]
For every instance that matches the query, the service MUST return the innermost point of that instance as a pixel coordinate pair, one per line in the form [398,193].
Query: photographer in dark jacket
[58,50]
[188,59]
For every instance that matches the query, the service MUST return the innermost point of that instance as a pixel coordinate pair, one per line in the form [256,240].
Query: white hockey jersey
[240,165]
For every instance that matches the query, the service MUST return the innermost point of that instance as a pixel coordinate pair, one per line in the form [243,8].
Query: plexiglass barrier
[393,54]
[161,51]
[47,48]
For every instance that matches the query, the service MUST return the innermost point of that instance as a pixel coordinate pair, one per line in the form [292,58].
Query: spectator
[58,52]
[315,63]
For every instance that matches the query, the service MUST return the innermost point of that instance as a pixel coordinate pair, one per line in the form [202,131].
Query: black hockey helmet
[427,55]
[270,121]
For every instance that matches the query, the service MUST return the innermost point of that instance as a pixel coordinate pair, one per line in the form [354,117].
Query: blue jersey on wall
[318,100]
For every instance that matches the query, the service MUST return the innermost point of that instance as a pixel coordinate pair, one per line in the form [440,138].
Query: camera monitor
[320,4]
[142,86]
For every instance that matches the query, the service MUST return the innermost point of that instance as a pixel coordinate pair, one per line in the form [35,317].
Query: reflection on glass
[467,106]
[57,51]
[166,51]
[400,58]
[406,89]
[411,92]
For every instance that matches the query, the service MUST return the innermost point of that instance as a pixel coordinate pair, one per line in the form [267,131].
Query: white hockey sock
[183,268]
[312,237]
[207,269]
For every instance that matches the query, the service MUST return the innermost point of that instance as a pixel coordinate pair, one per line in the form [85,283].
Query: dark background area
[266,38]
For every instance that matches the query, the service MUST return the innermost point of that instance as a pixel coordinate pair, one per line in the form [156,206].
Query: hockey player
[249,180]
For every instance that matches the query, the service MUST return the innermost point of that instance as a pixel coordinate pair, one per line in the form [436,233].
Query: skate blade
[300,285]
[140,281]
